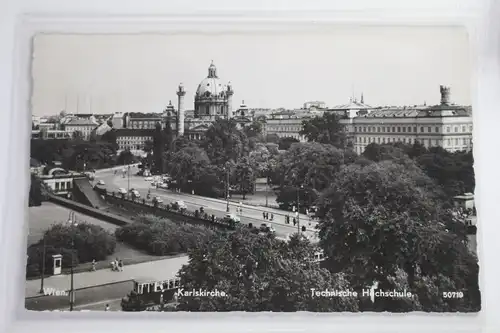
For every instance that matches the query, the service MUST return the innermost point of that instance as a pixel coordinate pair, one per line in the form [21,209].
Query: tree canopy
[326,129]
[259,274]
[311,165]
[383,221]
[224,142]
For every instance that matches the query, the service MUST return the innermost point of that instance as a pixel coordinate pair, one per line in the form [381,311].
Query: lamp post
[72,275]
[128,179]
[227,188]
[43,264]
[267,184]
[298,207]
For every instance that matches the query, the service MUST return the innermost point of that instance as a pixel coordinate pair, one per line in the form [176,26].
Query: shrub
[89,242]
[160,236]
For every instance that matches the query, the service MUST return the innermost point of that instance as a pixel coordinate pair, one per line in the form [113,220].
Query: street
[217,207]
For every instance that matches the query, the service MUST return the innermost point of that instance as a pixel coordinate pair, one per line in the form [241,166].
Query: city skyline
[140,73]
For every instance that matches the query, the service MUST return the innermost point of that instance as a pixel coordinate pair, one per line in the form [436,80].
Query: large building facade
[445,125]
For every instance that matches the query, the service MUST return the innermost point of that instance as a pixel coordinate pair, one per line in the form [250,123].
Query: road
[217,207]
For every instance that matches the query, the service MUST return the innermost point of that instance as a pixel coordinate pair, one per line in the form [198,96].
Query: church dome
[211,86]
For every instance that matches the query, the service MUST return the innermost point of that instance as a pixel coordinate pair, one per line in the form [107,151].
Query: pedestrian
[107,307]
[120,265]
[267,216]
[263,215]
[93,265]
[272,216]
[294,221]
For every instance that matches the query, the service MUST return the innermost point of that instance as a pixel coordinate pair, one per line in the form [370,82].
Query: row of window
[131,146]
[62,186]
[286,128]
[410,129]
[127,139]
[426,142]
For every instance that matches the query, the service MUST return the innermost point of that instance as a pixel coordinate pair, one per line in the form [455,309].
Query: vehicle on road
[233,217]
[148,179]
[121,190]
[157,200]
[101,182]
[163,185]
[179,205]
[135,193]
[266,228]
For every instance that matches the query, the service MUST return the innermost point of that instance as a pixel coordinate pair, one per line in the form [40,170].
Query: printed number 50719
[453,294]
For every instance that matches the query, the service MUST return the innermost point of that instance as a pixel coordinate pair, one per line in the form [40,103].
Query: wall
[136,207]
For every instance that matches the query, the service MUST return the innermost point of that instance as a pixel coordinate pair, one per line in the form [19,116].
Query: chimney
[445,95]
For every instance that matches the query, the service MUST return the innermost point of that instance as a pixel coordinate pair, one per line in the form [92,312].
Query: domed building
[212,100]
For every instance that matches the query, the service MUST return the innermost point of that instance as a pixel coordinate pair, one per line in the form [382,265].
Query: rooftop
[81,122]
[144,115]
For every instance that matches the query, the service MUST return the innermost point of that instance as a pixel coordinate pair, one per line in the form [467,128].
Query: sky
[141,73]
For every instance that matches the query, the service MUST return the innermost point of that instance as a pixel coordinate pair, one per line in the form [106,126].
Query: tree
[190,168]
[312,166]
[259,274]
[126,157]
[253,130]
[259,159]
[77,135]
[168,135]
[159,236]
[377,153]
[86,241]
[385,221]
[110,137]
[224,142]
[158,148]
[272,138]
[286,142]
[148,146]
[326,129]
[245,177]
[36,196]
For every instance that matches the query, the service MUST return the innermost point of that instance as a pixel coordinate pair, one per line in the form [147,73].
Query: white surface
[230,14]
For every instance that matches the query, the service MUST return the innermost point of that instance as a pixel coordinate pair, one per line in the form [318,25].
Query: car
[179,205]
[157,199]
[122,190]
[233,218]
[101,182]
[135,193]
[266,227]
[148,179]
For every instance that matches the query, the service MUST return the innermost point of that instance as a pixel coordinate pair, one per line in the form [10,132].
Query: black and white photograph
[323,170]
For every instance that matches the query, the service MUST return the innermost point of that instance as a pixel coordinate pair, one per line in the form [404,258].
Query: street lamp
[72,285]
[298,207]
[267,184]
[128,180]
[43,264]
[227,193]
[227,187]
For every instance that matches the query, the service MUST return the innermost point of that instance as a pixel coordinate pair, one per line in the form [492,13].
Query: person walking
[93,265]
[294,221]
[263,215]
[272,216]
[120,265]
[107,307]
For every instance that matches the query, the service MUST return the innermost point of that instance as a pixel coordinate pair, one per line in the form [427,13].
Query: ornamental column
[229,94]
[180,110]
